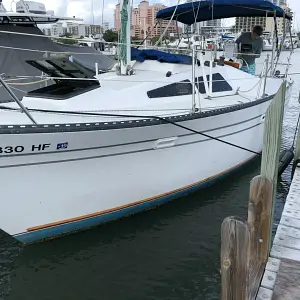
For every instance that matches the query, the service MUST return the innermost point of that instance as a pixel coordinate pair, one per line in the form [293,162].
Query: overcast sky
[83,8]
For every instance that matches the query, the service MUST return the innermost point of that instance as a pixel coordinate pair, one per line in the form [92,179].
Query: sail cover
[192,12]
[151,54]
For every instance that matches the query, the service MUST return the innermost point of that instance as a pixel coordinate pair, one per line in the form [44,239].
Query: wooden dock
[281,279]
[253,266]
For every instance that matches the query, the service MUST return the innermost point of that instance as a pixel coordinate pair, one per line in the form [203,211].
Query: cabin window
[219,84]
[181,88]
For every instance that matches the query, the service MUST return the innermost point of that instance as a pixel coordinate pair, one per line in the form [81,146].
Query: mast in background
[93,15]
[102,16]
[125,40]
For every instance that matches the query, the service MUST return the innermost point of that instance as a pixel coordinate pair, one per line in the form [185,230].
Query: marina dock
[254,265]
[281,279]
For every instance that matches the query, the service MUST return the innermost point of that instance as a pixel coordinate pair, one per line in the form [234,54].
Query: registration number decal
[10,149]
[32,148]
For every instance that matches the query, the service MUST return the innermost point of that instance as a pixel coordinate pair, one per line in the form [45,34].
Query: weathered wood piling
[246,245]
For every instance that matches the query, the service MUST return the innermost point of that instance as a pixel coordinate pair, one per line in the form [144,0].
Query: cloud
[91,10]
[88,10]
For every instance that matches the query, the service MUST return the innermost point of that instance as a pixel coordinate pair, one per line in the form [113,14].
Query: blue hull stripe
[63,229]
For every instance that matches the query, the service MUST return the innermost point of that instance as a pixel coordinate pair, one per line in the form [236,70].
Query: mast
[125,49]
[93,14]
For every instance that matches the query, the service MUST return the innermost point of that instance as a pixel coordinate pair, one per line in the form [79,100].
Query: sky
[92,9]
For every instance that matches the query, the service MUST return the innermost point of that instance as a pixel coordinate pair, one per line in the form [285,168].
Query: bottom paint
[67,228]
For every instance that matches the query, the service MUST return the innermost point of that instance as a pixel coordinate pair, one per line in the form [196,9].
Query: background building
[247,23]
[57,29]
[206,27]
[47,31]
[143,20]
[280,24]
[210,27]
[75,29]
[280,2]
[105,26]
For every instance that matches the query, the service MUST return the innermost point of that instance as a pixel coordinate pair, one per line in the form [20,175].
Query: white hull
[80,167]
[91,143]
[106,174]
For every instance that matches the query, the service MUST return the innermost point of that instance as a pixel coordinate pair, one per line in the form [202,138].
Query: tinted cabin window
[181,88]
[219,84]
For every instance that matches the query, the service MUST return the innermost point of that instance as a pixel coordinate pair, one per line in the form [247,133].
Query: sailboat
[89,147]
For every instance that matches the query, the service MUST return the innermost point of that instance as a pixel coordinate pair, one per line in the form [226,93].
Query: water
[168,253]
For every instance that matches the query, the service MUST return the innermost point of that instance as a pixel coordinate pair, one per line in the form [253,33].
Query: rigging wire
[122,80]
[148,34]
[26,83]
[163,34]
[163,120]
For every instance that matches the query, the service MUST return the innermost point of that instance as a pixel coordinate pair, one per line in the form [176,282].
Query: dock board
[281,280]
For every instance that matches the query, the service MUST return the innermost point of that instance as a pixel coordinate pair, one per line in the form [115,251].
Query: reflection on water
[167,253]
[9,251]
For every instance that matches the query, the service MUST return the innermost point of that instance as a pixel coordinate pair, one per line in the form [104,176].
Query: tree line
[109,36]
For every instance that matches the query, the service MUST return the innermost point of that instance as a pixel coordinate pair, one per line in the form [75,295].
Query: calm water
[167,253]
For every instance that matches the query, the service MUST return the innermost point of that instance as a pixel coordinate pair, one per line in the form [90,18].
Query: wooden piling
[272,143]
[235,237]
[259,215]
[244,245]
[272,135]
[259,221]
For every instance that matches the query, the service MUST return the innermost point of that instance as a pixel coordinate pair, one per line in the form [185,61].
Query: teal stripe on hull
[59,230]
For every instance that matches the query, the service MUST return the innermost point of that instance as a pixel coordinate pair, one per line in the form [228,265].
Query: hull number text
[33,148]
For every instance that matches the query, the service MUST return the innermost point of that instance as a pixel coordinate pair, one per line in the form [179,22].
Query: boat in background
[291,41]
[267,44]
[83,148]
